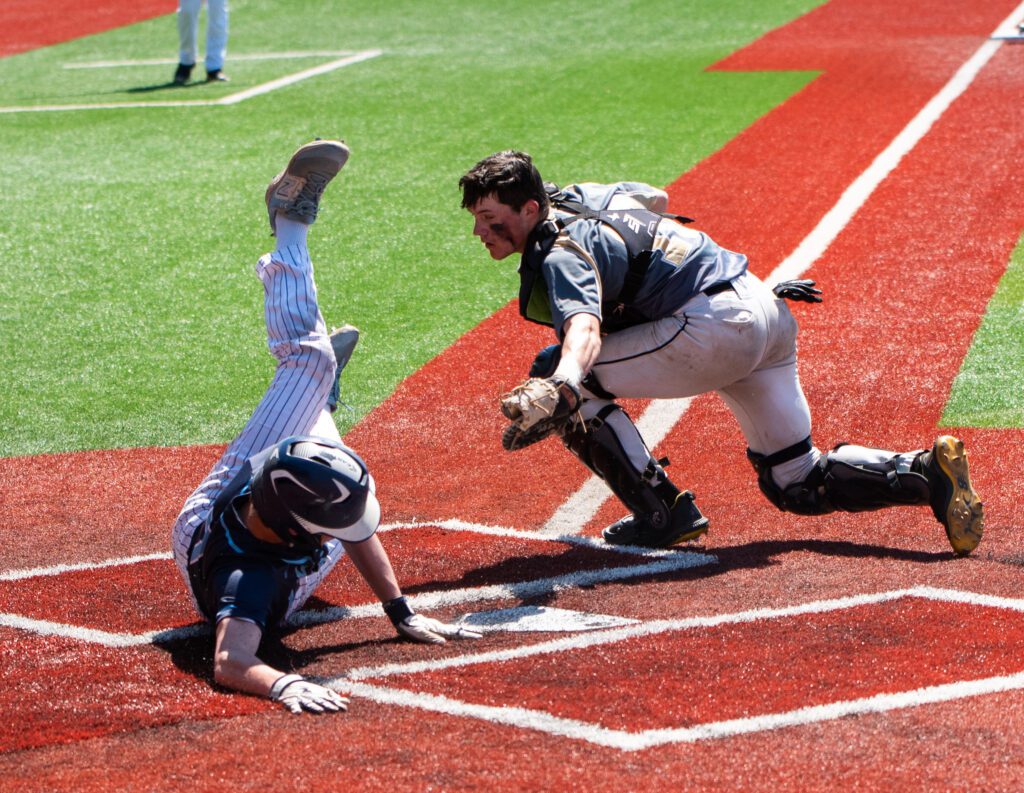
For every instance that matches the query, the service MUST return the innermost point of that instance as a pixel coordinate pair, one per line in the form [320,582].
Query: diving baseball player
[642,305]
[288,498]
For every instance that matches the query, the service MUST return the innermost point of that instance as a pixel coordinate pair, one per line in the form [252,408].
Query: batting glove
[802,290]
[424,630]
[298,694]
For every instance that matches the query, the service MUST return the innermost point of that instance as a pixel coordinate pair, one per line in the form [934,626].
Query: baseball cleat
[216,76]
[182,73]
[343,342]
[686,524]
[955,503]
[296,191]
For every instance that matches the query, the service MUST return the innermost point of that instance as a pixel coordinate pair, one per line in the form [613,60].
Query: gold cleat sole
[690,536]
[961,510]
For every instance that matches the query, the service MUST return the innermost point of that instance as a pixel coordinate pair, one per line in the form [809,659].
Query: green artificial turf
[130,315]
[989,390]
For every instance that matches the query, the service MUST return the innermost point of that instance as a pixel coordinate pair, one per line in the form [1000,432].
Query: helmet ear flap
[269,507]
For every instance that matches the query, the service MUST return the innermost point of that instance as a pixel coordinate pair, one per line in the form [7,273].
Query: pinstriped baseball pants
[293,404]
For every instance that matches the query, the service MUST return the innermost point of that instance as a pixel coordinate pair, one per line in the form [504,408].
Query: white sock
[290,232]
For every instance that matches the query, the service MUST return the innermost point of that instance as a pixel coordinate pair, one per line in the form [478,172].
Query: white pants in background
[216,32]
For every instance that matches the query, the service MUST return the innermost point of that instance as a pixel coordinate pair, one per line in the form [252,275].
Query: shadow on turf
[573,559]
[750,555]
[147,89]
[194,656]
[759,554]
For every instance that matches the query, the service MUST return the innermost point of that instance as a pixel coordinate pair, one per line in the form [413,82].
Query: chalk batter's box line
[230,99]
[543,721]
[650,562]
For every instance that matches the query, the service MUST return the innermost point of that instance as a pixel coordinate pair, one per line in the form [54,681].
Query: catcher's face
[502,229]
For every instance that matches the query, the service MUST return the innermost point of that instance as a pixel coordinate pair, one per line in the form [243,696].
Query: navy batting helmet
[314,486]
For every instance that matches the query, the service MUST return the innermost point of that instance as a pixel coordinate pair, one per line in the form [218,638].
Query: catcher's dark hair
[510,175]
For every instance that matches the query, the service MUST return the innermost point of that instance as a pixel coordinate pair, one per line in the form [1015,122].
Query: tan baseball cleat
[296,191]
[953,500]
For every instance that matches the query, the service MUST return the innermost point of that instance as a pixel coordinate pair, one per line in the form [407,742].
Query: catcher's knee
[806,497]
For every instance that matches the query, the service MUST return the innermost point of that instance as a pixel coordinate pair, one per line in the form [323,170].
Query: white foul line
[1012,28]
[59,569]
[542,721]
[230,99]
[264,56]
[588,500]
[614,635]
[451,525]
[273,85]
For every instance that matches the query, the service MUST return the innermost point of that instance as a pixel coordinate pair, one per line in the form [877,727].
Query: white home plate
[540,618]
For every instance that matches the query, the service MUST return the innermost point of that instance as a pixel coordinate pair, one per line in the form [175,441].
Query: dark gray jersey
[586,266]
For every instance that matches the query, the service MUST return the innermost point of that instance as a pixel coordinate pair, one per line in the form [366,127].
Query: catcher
[643,305]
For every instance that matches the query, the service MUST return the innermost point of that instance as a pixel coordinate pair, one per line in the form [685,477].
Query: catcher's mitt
[537,408]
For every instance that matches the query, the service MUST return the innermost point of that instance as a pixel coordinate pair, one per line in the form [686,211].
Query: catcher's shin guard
[662,515]
[848,478]
[859,479]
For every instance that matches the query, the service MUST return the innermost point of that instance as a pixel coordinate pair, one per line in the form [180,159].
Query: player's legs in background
[188,31]
[216,34]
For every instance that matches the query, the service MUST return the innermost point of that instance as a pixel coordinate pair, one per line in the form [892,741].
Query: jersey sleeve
[250,589]
[647,196]
[574,286]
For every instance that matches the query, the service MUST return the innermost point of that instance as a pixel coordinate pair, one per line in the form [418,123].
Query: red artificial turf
[745,670]
[28,24]
[906,283]
[61,690]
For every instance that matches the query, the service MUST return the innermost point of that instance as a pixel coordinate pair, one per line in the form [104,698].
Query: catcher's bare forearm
[581,344]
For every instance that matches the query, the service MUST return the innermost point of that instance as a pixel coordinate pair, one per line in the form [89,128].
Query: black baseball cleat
[952,498]
[216,76]
[182,73]
[685,524]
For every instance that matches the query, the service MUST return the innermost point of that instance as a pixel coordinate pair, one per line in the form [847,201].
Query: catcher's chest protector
[636,226]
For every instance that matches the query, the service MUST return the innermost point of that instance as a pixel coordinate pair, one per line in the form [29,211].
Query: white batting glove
[419,628]
[298,694]
[427,630]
